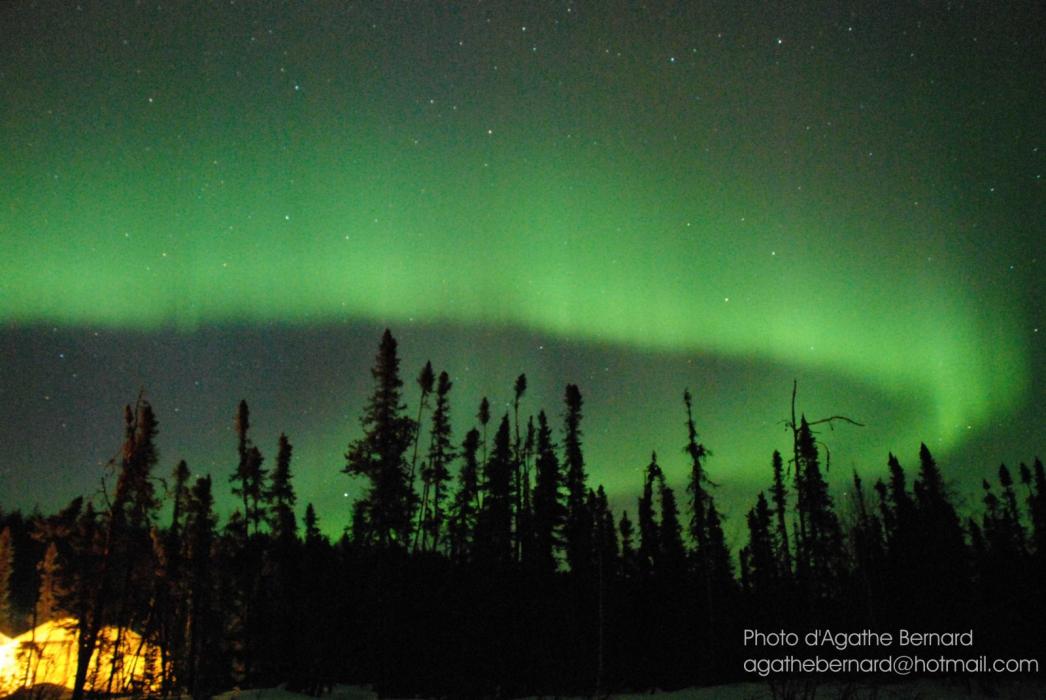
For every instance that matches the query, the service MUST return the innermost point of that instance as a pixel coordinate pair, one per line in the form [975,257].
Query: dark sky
[216,201]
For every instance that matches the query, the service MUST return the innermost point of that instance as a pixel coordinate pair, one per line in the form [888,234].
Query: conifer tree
[519,389]
[762,561]
[941,547]
[1037,509]
[549,509]
[124,575]
[525,535]
[311,524]
[280,607]
[203,634]
[379,456]
[780,499]
[822,557]
[720,568]
[241,477]
[465,507]
[179,503]
[436,473]
[51,591]
[170,593]
[903,507]
[1010,519]
[280,495]
[249,478]
[426,381]
[483,416]
[697,487]
[626,530]
[578,528]
[494,525]
[671,554]
[604,532]
[649,536]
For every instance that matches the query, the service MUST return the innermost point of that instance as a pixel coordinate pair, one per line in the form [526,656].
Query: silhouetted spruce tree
[941,548]
[820,559]
[710,558]
[282,587]
[136,492]
[604,533]
[519,389]
[385,510]
[483,416]
[86,542]
[1037,510]
[494,524]
[780,498]
[578,529]
[718,558]
[170,594]
[626,530]
[248,614]
[311,524]
[902,546]
[762,562]
[255,485]
[123,593]
[902,504]
[605,561]
[671,554]
[280,496]
[1004,609]
[869,554]
[549,508]
[697,487]
[426,382]
[647,621]
[461,523]
[1010,520]
[436,472]
[526,518]
[325,609]
[203,672]
[721,599]
[48,606]
[649,535]
[51,591]
[249,478]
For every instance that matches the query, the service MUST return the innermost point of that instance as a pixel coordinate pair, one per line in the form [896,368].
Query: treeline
[513,576]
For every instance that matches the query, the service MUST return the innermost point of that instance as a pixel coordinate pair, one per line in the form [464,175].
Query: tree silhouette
[494,523]
[578,528]
[280,496]
[549,508]
[435,473]
[385,510]
[820,558]
[465,506]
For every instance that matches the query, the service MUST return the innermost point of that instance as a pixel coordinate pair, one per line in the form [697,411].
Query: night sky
[216,201]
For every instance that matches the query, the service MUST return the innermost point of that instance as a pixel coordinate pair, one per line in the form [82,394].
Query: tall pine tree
[384,512]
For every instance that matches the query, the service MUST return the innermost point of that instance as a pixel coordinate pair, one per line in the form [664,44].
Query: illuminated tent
[47,654]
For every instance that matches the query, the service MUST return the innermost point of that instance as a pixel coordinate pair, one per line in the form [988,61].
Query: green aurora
[557,246]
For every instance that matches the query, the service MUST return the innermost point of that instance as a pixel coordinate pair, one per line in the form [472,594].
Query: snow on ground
[968,688]
[340,692]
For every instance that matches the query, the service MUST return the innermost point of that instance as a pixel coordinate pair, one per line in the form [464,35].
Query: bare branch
[829,420]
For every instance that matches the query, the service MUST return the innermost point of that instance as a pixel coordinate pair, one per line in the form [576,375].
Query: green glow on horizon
[585,245]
